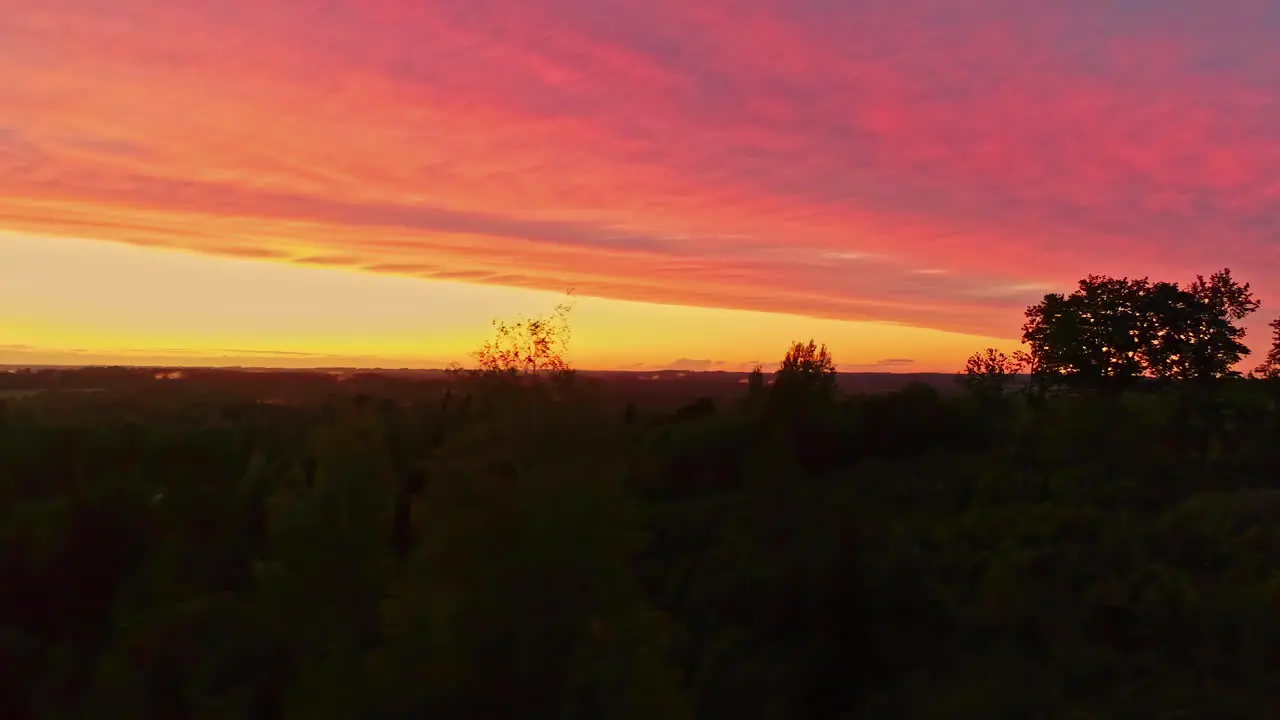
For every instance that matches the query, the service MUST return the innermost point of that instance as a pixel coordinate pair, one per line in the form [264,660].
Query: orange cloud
[934,166]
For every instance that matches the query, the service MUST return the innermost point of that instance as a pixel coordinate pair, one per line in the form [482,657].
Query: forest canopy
[1089,529]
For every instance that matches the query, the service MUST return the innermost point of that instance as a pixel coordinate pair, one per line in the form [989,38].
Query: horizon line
[9,367]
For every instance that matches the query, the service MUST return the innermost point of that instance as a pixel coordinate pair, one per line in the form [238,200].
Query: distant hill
[667,387]
[660,390]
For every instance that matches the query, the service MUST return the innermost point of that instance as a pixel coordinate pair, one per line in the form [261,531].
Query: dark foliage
[522,544]
[1112,331]
[1270,367]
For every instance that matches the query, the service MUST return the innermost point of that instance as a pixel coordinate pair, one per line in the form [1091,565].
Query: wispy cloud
[906,162]
[290,353]
[697,365]
[885,365]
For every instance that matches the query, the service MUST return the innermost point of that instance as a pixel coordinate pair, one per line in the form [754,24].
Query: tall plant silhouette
[529,346]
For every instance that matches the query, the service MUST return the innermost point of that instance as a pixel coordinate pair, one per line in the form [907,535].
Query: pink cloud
[795,156]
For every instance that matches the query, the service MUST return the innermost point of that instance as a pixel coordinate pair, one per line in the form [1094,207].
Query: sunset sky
[369,182]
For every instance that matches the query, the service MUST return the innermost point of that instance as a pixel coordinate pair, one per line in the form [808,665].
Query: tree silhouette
[1195,336]
[801,400]
[1112,331]
[806,370]
[755,381]
[1092,337]
[1270,367]
[989,373]
[529,346]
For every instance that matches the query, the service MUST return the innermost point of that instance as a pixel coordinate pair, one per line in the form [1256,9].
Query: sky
[370,182]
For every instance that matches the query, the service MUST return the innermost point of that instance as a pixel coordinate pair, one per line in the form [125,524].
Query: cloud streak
[906,162]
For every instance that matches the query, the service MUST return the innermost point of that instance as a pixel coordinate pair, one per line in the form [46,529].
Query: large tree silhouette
[1092,337]
[1112,331]
[801,400]
[807,371]
[1196,336]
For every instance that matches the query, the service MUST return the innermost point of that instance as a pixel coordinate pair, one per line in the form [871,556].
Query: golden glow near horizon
[70,301]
